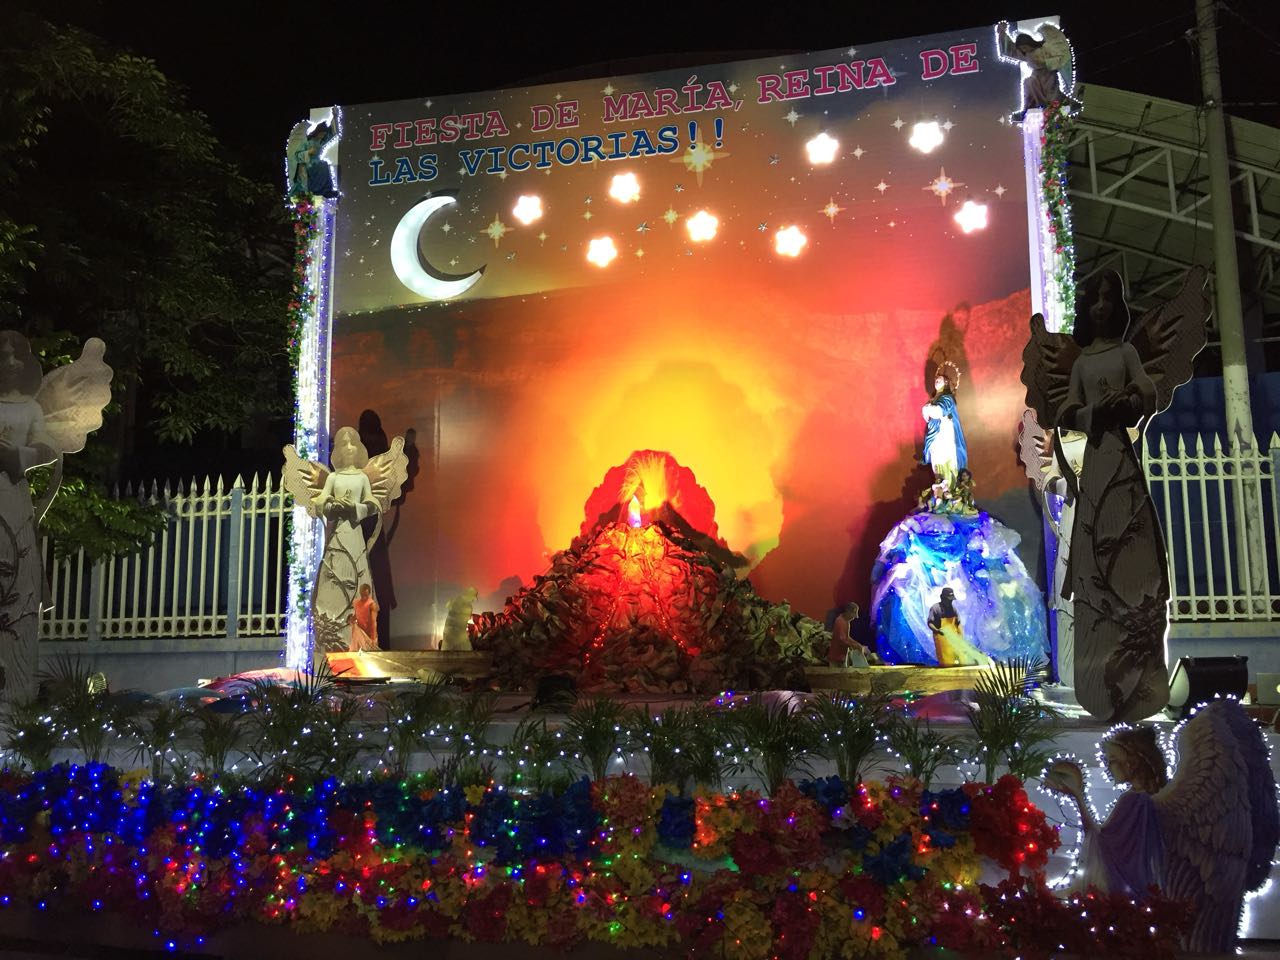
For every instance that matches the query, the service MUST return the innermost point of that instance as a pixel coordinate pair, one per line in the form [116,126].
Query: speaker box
[1198,679]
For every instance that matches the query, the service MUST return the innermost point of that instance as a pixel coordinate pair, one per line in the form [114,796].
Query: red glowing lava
[645,600]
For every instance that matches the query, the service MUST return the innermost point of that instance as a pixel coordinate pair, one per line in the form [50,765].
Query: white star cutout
[858,152]
[608,90]
[898,124]
[882,187]
[445,227]
[791,117]
[947,126]
[1000,190]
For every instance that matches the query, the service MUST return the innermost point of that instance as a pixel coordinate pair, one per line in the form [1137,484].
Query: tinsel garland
[302,303]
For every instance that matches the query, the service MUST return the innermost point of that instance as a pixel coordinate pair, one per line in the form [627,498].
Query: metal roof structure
[1139,188]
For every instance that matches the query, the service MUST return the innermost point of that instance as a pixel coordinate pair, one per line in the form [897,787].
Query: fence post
[95,600]
[234,538]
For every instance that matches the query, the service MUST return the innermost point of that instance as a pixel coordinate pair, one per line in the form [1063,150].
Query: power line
[1145,31]
[1253,27]
[1138,56]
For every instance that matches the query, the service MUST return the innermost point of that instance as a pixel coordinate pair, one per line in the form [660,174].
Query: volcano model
[647,601]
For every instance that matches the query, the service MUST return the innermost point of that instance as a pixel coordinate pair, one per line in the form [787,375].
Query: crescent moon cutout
[412,267]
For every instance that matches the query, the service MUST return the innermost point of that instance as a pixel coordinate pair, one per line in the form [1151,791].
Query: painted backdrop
[790,384]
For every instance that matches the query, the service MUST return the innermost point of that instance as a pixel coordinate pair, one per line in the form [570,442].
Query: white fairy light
[972,216]
[789,241]
[702,226]
[625,188]
[926,136]
[602,251]
[528,208]
[822,149]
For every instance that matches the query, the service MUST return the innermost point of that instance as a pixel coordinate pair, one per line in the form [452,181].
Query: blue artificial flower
[830,793]
[893,863]
[948,808]
[676,822]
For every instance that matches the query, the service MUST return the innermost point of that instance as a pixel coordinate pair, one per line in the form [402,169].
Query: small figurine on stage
[845,651]
[364,621]
[944,445]
[1048,58]
[952,649]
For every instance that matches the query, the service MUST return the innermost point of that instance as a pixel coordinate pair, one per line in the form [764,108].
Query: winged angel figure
[1206,836]
[1049,73]
[42,418]
[359,487]
[1117,575]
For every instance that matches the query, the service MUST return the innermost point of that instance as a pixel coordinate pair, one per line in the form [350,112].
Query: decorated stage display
[750,270]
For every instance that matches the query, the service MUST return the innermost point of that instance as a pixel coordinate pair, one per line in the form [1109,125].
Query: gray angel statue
[1204,834]
[42,417]
[1117,575]
[358,487]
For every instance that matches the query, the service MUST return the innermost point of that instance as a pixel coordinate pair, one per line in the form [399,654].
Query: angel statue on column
[1117,575]
[358,487]
[1204,836]
[944,445]
[42,417]
[1049,59]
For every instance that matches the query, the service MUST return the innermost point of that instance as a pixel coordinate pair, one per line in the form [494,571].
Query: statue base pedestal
[411,664]
[890,680]
[1001,609]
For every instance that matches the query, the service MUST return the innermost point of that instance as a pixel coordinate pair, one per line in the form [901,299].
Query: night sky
[255,68]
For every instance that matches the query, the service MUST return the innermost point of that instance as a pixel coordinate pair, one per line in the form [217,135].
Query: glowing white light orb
[625,188]
[822,148]
[972,216]
[789,241]
[702,226]
[926,136]
[527,209]
[602,251]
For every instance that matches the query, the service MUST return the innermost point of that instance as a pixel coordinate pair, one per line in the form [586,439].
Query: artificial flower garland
[818,870]
[1055,149]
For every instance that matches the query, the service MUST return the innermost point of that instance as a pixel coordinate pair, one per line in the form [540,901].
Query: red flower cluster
[1036,924]
[1008,827]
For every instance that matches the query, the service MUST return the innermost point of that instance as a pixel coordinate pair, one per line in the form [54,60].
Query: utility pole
[1230,313]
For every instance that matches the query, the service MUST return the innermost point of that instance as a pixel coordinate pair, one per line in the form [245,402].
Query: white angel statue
[41,419]
[1205,837]
[1050,75]
[358,488]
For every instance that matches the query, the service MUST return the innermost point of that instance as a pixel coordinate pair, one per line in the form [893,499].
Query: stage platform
[475,665]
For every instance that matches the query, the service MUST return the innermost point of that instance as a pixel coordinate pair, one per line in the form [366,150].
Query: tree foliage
[120,217]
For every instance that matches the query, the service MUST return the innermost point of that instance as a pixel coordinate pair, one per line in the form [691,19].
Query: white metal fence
[219,567]
[1218,506]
